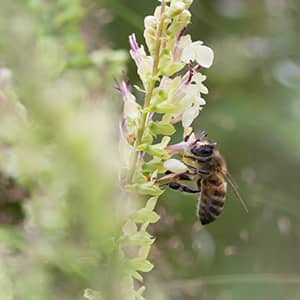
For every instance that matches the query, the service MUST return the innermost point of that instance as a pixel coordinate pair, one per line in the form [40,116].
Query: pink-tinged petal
[123,88]
[135,52]
[180,34]
[186,80]
[150,117]
[177,43]
[133,43]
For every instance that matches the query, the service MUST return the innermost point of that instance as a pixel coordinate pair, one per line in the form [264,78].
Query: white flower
[131,110]
[196,51]
[175,166]
[190,115]
[136,52]
[176,8]
[149,21]
[145,69]
[198,79]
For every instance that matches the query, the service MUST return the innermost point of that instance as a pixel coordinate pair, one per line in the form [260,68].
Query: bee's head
[204,148]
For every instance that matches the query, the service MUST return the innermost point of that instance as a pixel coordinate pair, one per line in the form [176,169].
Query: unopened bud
[149,21]
[175,166]
[176,8]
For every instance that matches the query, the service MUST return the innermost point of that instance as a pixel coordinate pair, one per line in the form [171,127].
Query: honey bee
[207,166]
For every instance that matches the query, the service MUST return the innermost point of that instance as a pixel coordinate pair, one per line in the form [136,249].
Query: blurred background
[58,58]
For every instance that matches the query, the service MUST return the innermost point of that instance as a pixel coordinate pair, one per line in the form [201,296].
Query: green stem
[148,94]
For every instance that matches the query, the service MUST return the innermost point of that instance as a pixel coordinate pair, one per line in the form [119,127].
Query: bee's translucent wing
[235,189]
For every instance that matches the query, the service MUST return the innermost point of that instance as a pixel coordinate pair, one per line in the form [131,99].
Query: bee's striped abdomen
[211,201]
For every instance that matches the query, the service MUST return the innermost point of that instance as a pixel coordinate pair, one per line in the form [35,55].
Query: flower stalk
[148,93]
[173,87]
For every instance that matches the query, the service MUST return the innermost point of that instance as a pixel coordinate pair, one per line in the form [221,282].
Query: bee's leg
[201,160]
[182,188]
[199,137]
[203,172]
[188,134]
[199,171]
[181,176]
[175,185]
[176,176]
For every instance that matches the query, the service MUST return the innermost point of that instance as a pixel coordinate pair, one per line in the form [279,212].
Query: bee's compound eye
[204,150]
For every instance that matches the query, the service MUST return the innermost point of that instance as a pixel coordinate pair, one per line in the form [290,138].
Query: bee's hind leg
[175,185]
[182,188]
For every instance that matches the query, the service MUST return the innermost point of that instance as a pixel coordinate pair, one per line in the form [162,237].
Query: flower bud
[188,3]
[175,166]
[149,21]
[176,8]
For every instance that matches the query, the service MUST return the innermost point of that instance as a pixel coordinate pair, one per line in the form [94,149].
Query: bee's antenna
[202,135]
[234,187]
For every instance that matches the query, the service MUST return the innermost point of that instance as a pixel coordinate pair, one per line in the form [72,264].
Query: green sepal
[154,151]
[129,228]
[171,69]
[140,238]
[145,215]
[93,295]
[163,108]
[151,203]
[137,276]
[153,165]
[157,149]
[139,89]
[139,293]
[147,137]
[147,188]
[144,251]
[141,264]
[162,128]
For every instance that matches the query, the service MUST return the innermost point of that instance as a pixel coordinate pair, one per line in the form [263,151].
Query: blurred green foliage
[64,149]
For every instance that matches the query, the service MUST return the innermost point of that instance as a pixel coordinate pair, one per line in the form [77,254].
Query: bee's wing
[235,189]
